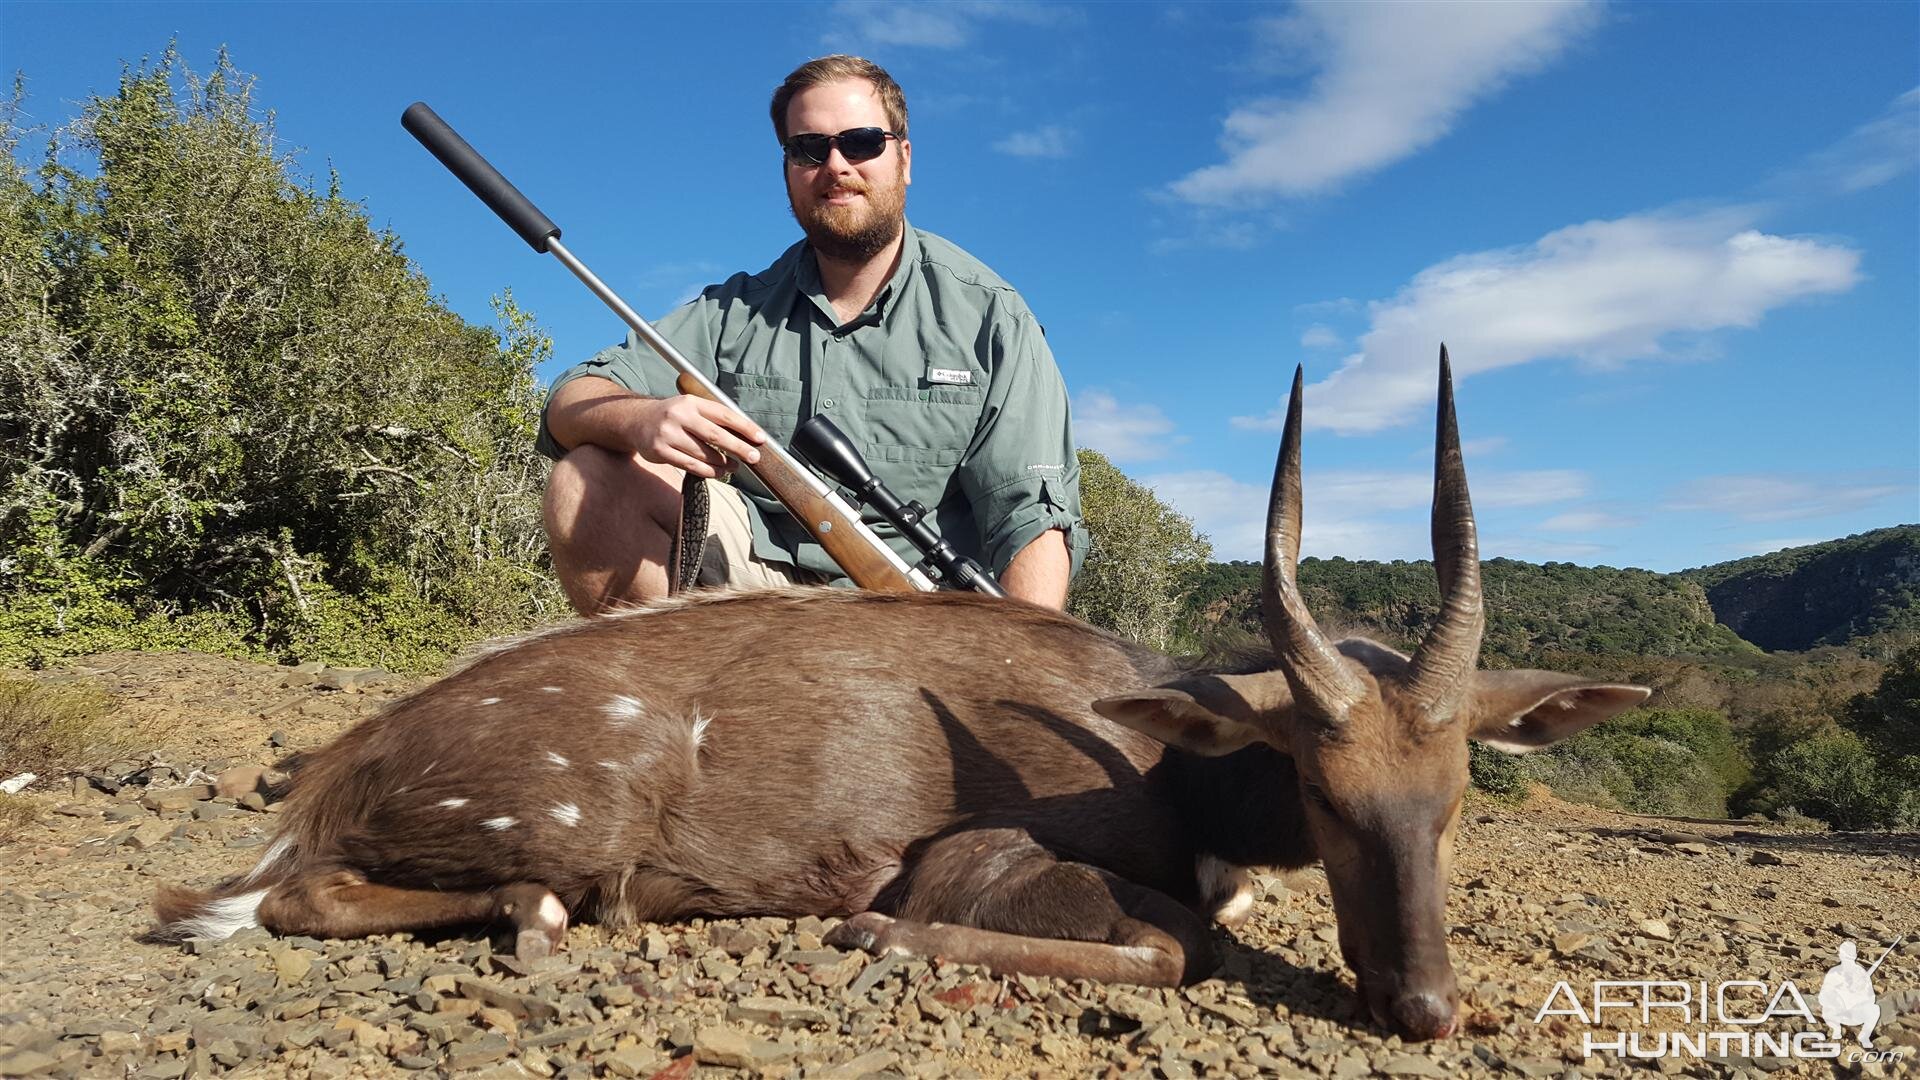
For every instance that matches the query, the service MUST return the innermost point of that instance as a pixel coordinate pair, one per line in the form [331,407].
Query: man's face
[850,211]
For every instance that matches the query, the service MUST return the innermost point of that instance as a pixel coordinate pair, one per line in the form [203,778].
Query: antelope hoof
[540,919]
[866,932]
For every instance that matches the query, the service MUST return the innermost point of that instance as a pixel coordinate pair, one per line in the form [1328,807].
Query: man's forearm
[1039,572]
[593,410]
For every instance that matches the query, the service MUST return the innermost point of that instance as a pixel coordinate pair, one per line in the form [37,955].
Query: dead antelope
[985,780]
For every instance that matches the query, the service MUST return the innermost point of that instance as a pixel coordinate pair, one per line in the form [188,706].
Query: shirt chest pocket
[773,401]
[928,427]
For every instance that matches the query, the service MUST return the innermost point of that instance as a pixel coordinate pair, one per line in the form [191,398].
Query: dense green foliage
[1531,609]
[1143,560]
[1684,762]
[232,416]
[1865,586]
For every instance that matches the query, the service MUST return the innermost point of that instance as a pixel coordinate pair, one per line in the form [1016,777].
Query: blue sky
[1674,249]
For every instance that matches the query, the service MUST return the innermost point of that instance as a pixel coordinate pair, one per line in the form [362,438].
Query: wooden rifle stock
[845,539]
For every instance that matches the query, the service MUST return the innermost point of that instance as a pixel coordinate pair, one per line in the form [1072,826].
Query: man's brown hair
[834,68]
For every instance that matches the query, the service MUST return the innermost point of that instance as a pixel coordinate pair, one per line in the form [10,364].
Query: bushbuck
[981,779]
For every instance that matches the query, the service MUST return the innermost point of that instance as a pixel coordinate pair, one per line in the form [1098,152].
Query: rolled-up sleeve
[633,365]
[1020,473]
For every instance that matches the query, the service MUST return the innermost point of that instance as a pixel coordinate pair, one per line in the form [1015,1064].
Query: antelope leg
[997,898]
[343,904]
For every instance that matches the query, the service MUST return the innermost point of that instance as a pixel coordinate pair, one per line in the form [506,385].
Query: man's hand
[685,432]
[695,435]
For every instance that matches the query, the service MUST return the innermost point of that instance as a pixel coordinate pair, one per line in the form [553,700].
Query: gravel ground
[1543,893]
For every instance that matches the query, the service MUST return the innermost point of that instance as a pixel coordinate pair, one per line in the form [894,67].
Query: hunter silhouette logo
[1846,994]
[1747,1017]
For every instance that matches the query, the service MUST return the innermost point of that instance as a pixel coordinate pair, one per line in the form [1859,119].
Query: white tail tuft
[220,918]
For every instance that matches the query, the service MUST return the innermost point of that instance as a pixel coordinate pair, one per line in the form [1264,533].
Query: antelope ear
[1209,715]
[1521,711]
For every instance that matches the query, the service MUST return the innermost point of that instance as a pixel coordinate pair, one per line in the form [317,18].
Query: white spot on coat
[565,813]
[557,759]
[499,824]
[609,764]
[550,689]
[700,729]
[453,804]
[624,709]
[489,701]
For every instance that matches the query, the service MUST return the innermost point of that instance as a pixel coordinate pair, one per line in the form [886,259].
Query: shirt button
[827,404]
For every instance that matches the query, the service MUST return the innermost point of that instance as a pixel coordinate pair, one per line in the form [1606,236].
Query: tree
[1143,560]
[1888,718]
[231,412]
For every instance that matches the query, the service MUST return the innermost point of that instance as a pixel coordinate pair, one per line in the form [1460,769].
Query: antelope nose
[1423,1016]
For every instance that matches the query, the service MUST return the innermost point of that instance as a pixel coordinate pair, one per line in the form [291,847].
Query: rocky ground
[1543,894]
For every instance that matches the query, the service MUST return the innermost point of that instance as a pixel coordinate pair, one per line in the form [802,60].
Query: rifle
[818,508]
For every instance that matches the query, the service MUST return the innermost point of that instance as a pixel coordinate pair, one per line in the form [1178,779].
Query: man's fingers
[710,464]
[715,413]
[727,442]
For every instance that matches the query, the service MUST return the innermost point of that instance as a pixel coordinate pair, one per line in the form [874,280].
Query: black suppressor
[828,449]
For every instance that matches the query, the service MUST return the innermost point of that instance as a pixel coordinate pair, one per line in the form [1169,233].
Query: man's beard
[854,233]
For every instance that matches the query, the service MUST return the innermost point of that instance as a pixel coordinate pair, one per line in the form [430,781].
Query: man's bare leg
[610,521]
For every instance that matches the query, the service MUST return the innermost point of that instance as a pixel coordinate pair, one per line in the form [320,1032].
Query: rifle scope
[823,445]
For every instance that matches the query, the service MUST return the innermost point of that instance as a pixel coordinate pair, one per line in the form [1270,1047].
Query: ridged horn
[1445,660]
[1315,671]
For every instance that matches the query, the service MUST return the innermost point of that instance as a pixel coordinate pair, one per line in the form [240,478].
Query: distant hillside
[1531,609]
[1823,594]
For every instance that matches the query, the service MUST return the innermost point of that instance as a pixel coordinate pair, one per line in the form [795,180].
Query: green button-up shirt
[945,384]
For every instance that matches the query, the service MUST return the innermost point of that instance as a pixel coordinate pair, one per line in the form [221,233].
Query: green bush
[232,414]
[1498,774]
[1143,560]
[1836,777]
[1655,761]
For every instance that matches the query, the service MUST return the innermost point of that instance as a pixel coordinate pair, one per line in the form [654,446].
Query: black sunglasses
[856,144]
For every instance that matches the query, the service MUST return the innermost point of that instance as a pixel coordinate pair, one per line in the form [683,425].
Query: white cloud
[1589,521]
[950,25]
[1603,292]
[1871,154]
[1320,336]
[1122,432]
[1354,513]
[1469,449]
[1393,79]
[1783,497]
[1050,141]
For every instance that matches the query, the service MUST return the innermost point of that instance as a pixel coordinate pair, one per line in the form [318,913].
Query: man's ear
[1521,711]
[1209,715]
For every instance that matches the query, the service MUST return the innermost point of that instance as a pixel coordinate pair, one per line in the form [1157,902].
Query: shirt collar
[809,280]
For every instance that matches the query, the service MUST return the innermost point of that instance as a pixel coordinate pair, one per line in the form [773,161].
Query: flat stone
[631,1061]
[172,800]
[522,1006]
[774,1013]
[27,1063]
[1409,1065]
[292,966]
[476,1052]
[737,1050]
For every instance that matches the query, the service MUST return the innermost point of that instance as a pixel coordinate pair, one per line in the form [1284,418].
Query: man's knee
[594,484]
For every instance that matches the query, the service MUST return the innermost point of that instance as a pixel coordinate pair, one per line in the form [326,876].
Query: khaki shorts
[728,558]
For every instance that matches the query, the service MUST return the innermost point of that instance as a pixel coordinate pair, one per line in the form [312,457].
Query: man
[930,363]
